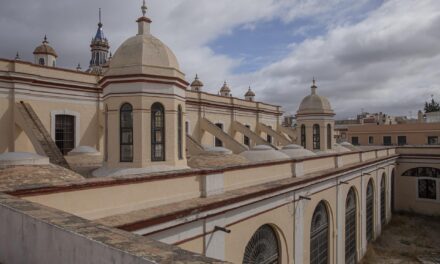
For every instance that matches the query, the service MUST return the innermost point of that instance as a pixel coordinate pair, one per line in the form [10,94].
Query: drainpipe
[337,219]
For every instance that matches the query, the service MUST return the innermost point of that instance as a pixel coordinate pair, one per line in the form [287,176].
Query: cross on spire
[144,8]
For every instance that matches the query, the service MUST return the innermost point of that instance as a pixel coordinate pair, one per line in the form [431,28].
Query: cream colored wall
[102,202]
[315,165]
[5,121]
[194,245]
[280,219]
[22,141]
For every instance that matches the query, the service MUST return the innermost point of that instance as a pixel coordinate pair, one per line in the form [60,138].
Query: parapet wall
[32,233]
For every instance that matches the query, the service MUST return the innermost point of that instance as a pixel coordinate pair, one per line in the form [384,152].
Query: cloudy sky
[376,55]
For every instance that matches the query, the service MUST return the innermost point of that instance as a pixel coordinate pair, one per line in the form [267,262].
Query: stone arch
[263,247]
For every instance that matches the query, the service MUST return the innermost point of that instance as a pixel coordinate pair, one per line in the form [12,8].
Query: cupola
[196,85]
[45,55]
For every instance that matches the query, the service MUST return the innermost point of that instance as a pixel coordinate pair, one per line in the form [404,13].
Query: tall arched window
[316,137]
[382,200]
[370,210]
[157,132]
[180,131]
[126,133]
[41,61]
[263,247]
[329,136]
[303,136]
[319,235]
[350,228]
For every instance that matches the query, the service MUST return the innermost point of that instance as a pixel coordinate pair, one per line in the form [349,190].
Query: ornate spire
[143,21]
[100,23]
[17,57]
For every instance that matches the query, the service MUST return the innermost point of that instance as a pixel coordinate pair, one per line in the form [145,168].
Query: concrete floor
[407,239]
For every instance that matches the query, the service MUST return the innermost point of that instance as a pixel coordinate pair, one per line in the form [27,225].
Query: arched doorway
[263,248]
[370,211]
[350,228]
[319,235]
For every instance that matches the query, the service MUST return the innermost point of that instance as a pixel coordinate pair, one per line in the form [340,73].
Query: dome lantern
[44,54]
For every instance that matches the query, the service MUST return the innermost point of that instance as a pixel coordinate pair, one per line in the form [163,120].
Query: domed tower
[225,90]
[249,95]
[100,49]
[144,95]
[45,55]
[315,122]
[196,85]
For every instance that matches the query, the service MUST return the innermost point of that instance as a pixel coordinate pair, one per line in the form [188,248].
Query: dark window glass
[187,127]
[319,235]
[303,136]
[433,140]
[106,135]
[370,210]
[218,142]
[316,137]
[126,133]
[246,140]
[401,140]
[180,131]
[428,172]
[382,201]
[157,132]
[427,189]
[350,228]
[329,136]
[387,141]
[65,133]
[370,140]
[355,141]
[263,247]
[41,61]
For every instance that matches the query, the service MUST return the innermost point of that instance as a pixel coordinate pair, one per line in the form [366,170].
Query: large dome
[315,104]
[144,54]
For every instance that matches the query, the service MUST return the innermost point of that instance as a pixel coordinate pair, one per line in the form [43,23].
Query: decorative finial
[78,68]
[314,86]
[197,76]
[144,8]
[45,39]
[17,57]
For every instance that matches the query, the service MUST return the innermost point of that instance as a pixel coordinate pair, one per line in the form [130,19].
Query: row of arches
[264,246]
[158,132]
[316,129]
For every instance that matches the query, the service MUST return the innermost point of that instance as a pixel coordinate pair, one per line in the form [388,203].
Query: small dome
[263,153]
[225,88]
[144,54]
[45,49]
[197,83]
[249,93]
[315,104]
[296,151]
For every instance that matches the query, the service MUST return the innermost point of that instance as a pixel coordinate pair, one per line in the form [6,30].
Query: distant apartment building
[393,135]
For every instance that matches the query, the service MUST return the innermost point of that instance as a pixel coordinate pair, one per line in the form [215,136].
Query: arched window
[319,235]
[382,200]
[41,61]
[329,136]
[65,133]
[180,131]
[303,136]
[126,133]
[350,228]
[316,137]
[370,210]
[157,132]
[263,247]
[428,179]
